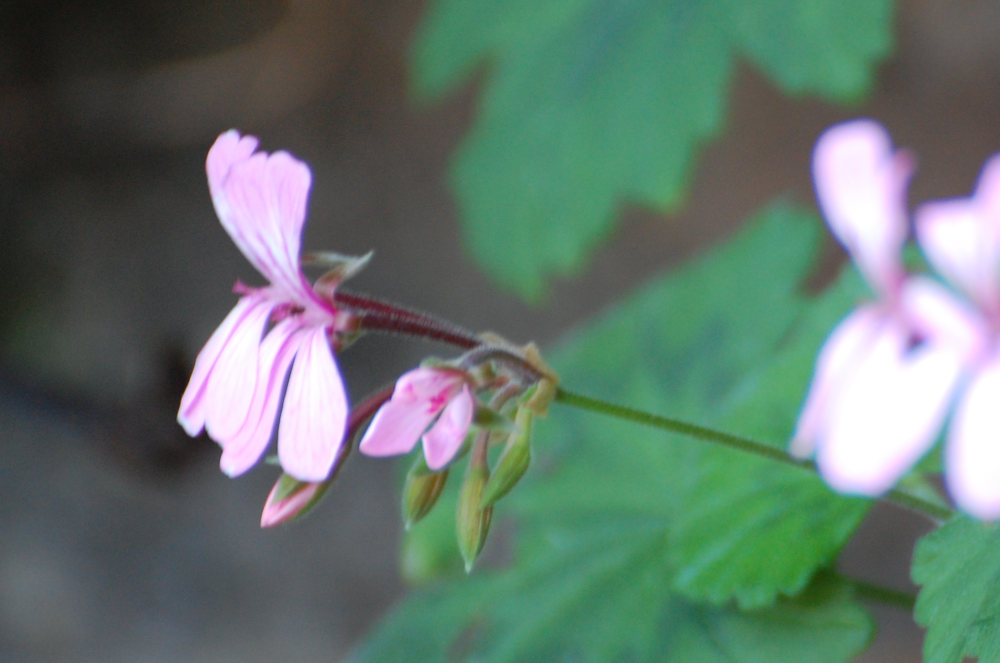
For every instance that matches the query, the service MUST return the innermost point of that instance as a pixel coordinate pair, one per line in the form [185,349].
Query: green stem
[884,595]
[898,496]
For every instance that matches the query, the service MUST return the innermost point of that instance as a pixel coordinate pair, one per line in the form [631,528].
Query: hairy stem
[379,315]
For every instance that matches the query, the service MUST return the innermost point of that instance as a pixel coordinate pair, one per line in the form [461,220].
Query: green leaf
[741,527]
[604,504]
[749,528]
[605,597]
[591,103]
[819,46]
[958,567]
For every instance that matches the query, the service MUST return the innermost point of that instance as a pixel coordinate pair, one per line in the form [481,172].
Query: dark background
[121,540]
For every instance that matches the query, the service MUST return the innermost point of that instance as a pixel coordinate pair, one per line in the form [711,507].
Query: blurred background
[121,540]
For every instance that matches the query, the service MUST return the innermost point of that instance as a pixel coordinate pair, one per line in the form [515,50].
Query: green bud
[488,419]
[421,491]
[472,521]
[513,461]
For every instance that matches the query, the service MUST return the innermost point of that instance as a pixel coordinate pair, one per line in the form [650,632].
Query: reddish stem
[415,327]
[378,315]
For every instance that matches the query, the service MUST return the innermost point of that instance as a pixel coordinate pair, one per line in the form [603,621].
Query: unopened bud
[513,461]
[291,499]
[421,491]
[472,521]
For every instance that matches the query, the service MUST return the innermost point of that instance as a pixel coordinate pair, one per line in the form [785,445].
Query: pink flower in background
[237,382]
[885,376]
[421,396]
[961,239]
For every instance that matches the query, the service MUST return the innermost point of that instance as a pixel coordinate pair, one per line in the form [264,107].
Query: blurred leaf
[748,528]
[606,598]
[726,340]
[958,567]
[598,511]
[591,103]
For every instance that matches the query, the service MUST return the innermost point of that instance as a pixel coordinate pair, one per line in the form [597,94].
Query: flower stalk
[898,496]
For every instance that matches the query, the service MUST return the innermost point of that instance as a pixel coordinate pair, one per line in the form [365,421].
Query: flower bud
[472,521]
[291,499]
[421,490]
[513,461]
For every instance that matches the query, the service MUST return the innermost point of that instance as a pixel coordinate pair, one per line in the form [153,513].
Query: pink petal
[418,397]
[432,386]
[395,428]
[314,415]
[244,449]
[972,455]
[961,239]
[191,414]
[229,149]
[861,186]
[261,202]
[887,414]
[445,438]
[843,349]
[230,388]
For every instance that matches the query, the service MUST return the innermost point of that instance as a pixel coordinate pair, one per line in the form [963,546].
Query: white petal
[887,414]
[936,315]
[972,456]
[861,184]
[841,352]
[961,238]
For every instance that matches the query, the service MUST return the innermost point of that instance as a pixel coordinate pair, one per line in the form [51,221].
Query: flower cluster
[893,370]
[290,330]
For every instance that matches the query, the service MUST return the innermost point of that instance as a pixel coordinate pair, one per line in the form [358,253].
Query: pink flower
[237,382]
[421,396]
[961,239]
[885,376]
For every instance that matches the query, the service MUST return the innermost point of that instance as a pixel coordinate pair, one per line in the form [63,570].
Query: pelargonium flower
[961,239]
[885,376]
[422,397]
[236,386]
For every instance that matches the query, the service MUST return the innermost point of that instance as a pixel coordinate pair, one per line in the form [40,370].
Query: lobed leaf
[958,567]
[589,104]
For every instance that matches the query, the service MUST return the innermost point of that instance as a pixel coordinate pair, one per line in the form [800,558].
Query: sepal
[472,521]
[340,268]
[514,459]
[421,490]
